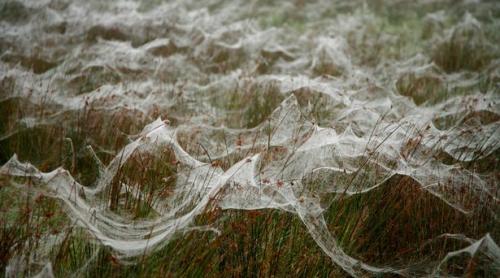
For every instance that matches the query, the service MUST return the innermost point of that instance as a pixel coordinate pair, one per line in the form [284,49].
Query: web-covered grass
[249,138]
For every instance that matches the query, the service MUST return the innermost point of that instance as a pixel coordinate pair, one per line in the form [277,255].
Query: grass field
[249,138]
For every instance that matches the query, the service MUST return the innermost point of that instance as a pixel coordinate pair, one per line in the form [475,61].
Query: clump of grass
[317,107]
[465,49]
[262,104]
[92,78]
[14,11]
[421,88]
[324,68]
[27,221]
[394,222]
[293,21]
[154,175]
[250,106]
[37,64]
[220,59]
